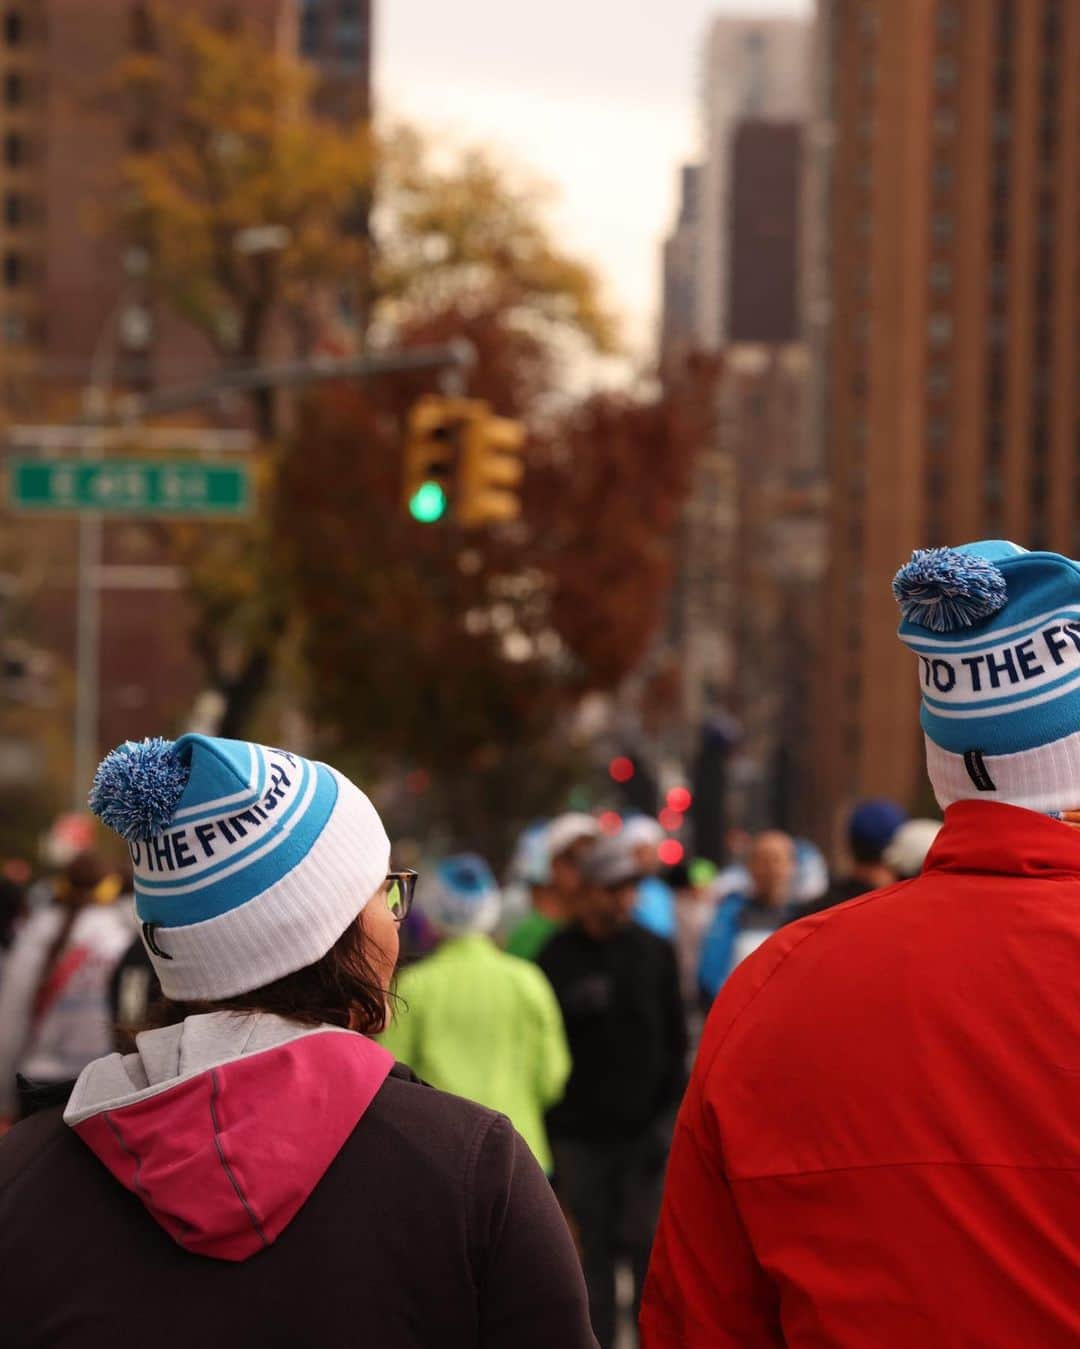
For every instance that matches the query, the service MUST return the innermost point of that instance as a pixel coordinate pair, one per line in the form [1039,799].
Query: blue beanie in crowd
[461,895]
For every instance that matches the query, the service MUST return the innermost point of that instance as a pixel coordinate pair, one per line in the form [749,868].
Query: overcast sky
[597,97]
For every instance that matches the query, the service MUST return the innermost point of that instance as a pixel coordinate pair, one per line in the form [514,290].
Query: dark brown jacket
[432,1225]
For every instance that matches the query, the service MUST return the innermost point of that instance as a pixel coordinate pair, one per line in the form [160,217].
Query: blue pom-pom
[137,788]
[943,589]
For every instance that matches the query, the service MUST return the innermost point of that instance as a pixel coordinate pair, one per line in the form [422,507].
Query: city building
[681,266]
[750,545]
[765,220]
[755,69]
[943,313]
[76,310]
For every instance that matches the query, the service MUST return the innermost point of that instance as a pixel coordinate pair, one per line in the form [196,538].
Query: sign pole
[87,657]
[88,625]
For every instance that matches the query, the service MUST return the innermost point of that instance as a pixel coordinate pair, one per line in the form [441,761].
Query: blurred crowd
[570,998]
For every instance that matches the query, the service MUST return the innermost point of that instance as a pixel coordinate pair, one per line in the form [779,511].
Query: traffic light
[431,452]
[462,460]
[490,470]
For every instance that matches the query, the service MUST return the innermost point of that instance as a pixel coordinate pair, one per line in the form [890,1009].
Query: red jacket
[880,1146]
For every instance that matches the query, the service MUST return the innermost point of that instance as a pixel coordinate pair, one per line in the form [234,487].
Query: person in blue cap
[872,826]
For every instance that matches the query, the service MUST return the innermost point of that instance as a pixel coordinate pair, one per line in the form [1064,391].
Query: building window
[142,29]
[937,432]
[14,89]
[945,122]
[941,228]
[14,28]
[13,270]
[939,329]
[937,381]
[350,32]
[943,175]
[14,210]
[996,330]
[999,277]
[940,276]
[945,72]
[14,329]
[948,17]
[311,18]
[14,150]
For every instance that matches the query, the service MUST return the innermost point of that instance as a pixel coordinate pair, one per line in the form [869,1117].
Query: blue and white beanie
[249,862]
[461,896]
[996,630]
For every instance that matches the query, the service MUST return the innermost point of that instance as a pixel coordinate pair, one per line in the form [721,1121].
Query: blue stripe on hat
[243,877]
[232,776]
[177,882]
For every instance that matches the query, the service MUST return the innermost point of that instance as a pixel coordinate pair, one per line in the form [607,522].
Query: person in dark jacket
[259,1172]
[618,987]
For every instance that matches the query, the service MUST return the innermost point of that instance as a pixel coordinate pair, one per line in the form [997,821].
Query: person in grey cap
[618,987]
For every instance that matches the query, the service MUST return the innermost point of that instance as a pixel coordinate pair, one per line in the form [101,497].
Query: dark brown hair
[340,989]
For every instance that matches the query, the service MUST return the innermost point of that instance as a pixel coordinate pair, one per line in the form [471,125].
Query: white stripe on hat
[1046,778]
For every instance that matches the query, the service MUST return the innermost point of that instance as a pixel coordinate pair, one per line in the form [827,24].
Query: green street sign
[129,487]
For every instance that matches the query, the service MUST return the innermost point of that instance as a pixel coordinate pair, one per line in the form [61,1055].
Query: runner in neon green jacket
[476,1021]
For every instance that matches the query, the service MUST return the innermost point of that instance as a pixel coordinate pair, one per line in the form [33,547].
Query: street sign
[129,487]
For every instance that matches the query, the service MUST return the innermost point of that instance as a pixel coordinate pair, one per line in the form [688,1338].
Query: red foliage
[461,651]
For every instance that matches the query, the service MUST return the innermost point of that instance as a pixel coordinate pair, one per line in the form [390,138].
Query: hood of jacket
[224,1124]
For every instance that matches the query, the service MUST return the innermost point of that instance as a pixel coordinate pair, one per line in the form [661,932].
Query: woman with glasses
[260,1172]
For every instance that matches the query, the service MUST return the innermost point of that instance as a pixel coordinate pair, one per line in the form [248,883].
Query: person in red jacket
[880,1145]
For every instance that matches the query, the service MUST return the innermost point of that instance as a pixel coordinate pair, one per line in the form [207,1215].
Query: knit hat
[249,862]
[996,630]
[461,896]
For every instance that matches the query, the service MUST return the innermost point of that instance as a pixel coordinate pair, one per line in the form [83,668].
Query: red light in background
[671,851]
[679,799]
[670,819]
[418,781]
[621,769]
[610,821]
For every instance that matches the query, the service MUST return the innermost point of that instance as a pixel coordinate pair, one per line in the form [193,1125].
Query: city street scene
[539,674]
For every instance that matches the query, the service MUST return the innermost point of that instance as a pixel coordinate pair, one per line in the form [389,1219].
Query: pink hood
[224,1125]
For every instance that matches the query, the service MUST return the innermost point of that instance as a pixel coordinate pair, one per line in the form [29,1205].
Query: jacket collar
[989,837]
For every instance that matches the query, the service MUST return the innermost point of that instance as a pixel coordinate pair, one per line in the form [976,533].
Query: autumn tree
[465,654]
[247,202]
[459,654]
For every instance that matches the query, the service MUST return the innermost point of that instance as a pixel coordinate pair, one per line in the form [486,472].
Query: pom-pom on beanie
[249,862]
[996,631]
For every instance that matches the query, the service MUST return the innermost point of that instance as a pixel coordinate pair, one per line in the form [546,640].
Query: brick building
[946,154]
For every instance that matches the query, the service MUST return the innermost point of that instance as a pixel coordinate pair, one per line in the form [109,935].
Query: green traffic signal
[428,503]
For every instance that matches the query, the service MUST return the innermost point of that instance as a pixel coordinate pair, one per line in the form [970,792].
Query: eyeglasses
[400,888]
